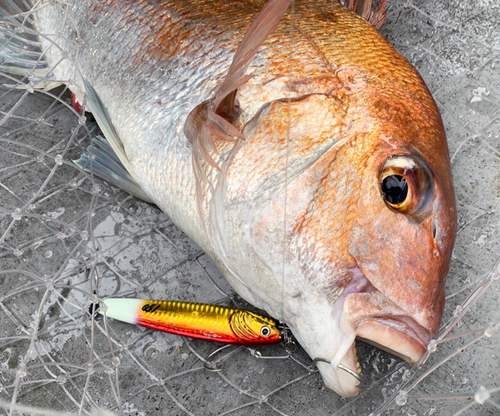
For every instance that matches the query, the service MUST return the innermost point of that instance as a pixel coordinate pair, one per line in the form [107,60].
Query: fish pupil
[394,189]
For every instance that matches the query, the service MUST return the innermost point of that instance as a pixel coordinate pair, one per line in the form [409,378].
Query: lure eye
[265,331]
[405,184]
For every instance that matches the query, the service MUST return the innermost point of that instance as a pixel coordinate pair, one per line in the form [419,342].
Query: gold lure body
[196,320]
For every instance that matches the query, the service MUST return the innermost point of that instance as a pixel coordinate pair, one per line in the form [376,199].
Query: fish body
[196,320]
[335,214]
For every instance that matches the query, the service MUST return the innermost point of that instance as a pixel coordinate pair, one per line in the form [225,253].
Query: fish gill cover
[58,222]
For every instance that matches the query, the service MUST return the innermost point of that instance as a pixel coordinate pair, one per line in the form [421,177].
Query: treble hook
[211,365]
[258,354]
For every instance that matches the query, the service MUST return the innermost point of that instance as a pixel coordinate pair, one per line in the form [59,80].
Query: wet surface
[56,220]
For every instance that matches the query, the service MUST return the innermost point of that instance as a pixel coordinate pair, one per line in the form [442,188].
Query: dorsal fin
[374,15]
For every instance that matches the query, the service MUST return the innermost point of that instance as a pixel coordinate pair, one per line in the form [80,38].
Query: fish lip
[364,312]
[407,325]
[412,338]
[377,320]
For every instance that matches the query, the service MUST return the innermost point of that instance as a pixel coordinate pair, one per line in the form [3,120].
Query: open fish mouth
[365,313]
[377,320]
[406,339]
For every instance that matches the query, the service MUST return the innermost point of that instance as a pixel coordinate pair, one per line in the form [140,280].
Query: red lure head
[250,328]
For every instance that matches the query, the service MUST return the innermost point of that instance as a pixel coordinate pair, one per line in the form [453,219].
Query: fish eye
[394,189]
[265,331]
[405,184]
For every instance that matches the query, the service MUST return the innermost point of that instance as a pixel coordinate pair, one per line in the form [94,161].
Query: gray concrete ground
[55,220]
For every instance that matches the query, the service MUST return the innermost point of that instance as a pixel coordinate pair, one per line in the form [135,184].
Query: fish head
[404,228]
[347,204]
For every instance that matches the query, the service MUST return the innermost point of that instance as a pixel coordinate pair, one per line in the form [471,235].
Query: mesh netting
[68,238]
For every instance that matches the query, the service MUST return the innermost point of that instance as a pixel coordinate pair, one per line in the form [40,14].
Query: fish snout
[405,263]
[443,226]
[404,234]
[441,231]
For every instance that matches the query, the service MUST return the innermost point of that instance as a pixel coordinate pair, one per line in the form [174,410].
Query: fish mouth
[365,313]
[403,338]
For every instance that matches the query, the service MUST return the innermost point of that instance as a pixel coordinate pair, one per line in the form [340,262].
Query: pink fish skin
[320,185]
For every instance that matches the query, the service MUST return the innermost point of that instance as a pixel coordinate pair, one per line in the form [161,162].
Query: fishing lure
[196,320]
[201,320]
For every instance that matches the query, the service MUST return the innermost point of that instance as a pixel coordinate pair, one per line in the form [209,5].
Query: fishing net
[68,238]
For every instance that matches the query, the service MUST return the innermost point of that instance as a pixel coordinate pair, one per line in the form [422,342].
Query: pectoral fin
[213,120]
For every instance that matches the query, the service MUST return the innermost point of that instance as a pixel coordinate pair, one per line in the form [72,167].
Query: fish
[197,320]
[290,141]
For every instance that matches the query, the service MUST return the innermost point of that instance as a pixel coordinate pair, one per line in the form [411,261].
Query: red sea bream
[315,172]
